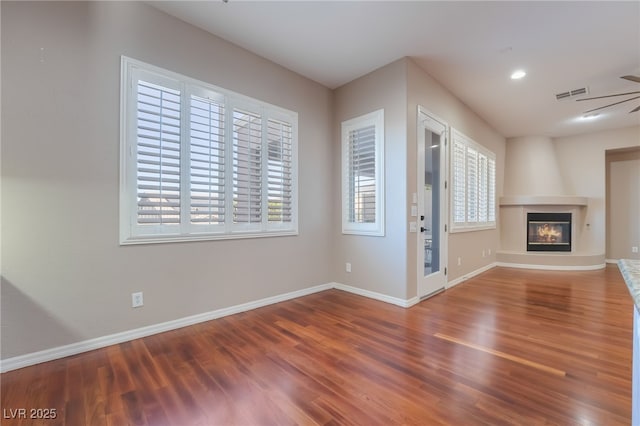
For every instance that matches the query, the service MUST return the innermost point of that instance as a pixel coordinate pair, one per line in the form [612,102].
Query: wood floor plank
[504,355]
[508,347]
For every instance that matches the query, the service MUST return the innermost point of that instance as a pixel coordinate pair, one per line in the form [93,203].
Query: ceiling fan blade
[635,109]
[631,78]
[615,103]
[608,96]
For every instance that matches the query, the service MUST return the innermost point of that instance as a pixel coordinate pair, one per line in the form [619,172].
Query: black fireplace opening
[548,231]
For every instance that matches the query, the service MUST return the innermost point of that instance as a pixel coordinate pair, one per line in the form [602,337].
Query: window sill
[163,239]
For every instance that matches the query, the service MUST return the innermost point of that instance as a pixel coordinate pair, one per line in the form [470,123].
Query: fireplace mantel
[544,200]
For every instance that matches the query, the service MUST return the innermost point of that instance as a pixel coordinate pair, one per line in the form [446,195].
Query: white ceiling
[469,47]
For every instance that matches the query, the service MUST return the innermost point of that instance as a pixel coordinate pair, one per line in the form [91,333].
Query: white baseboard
[611,261]
[553,267]
[33,358]
[471,275]
[377,296]
[101,342]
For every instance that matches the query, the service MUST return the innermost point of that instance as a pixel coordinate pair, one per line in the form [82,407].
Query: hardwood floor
[519,347]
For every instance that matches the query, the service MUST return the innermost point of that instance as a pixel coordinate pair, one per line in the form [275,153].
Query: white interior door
[432,205]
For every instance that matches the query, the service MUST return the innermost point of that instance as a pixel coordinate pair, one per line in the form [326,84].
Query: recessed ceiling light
[517,75]
[591,116]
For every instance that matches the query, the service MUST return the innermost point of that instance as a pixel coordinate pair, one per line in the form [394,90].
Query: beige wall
[425,91]
[378,263]
[532,168]
[64,277]
[623,203]
[582,166]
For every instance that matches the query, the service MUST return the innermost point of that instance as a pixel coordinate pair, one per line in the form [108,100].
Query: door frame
[425,115]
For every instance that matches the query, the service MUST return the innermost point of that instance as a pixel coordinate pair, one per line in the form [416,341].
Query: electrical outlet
[347,267]
[489,252]
[136,300]
[459,261]
[484,253]
[634,249]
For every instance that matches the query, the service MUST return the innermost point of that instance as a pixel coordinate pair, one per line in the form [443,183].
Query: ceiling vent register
[572,93]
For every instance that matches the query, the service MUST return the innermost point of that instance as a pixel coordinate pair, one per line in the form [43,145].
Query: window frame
[376,228]
[132,232]
[484,167]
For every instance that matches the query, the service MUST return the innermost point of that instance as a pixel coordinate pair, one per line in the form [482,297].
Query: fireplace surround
[550,232]
[513,251]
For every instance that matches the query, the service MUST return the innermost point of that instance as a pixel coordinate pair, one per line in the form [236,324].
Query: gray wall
[64,276]
[65,279]
[425,91]
[378,263]
[388,264]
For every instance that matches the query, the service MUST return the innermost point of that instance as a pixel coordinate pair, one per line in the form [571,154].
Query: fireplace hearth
[549,232]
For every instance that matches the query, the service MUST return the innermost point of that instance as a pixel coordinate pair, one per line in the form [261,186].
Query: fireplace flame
[549,233]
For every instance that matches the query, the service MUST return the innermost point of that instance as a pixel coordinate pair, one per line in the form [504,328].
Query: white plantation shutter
[201,162]
[473,197]
[482,188]
[458,167]
[491,188]
[207,161]
[247,167]
[158,113]
[279,171]
[363,174]
[472,185]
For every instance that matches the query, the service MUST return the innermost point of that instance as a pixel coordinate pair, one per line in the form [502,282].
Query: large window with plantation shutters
[473,185]
[363,175]
[201,162]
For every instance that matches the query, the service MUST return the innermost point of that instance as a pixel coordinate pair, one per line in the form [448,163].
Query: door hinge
[445,184]
[445,228]
[445,271]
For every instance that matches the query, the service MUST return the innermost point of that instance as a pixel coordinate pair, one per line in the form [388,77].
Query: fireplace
[548,231]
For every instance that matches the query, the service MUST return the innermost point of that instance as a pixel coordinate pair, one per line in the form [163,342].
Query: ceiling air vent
[572,93]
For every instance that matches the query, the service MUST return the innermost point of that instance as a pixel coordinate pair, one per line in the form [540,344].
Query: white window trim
[128,175]
[377,228]
[459,138]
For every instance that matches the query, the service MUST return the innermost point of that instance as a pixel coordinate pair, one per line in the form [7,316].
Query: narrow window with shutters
[363,175]
[200,162]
